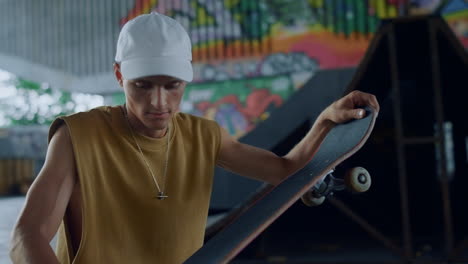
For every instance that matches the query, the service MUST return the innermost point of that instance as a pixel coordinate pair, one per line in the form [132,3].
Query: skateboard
[340,143]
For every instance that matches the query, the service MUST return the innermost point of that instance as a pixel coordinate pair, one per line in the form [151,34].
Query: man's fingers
[362,99]
[359,113]
[374,103]
[351,114]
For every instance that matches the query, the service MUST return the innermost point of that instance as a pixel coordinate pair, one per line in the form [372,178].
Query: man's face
[152,100]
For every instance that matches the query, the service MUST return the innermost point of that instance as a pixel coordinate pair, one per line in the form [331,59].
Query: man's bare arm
[46,203]
[266,166]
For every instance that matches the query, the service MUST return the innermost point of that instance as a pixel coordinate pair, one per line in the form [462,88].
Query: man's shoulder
[199,129]
[84,119]
[92,113]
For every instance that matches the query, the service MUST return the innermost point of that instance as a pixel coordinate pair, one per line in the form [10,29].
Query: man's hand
[349,107]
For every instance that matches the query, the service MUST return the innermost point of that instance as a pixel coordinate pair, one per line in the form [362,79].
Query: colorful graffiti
[333,33]
[292,63]
[237,105]
[456,15]
[237,39]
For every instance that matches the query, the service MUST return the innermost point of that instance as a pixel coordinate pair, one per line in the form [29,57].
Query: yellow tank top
[122,220]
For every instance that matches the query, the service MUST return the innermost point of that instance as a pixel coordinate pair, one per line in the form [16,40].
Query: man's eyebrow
[142,80]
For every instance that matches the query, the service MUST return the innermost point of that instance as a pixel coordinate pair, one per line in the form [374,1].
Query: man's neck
[139,128]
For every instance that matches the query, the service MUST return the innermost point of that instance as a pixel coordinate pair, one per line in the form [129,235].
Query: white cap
[154,44]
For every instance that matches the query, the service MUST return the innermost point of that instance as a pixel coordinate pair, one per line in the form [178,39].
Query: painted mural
[243,29]
[238,105]
[333,33]
[294,64]
[456,15]
[239,46]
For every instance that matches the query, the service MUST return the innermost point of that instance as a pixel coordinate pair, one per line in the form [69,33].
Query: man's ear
[118,74]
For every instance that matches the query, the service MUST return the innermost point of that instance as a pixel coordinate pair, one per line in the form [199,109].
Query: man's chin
[157,124]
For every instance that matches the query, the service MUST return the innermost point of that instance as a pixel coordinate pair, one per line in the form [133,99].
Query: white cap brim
[170,66]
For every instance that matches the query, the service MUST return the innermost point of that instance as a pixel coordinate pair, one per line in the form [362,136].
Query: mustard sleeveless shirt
[122,220]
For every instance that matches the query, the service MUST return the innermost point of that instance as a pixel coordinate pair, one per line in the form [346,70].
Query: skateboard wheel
[311,201]
[358,179]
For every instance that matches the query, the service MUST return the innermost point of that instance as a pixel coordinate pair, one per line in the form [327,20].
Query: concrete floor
[9,210]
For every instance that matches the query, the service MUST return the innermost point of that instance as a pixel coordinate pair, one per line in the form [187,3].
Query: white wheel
[358,179]
[311,201]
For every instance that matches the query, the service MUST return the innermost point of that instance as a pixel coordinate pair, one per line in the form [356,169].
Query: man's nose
[159,97]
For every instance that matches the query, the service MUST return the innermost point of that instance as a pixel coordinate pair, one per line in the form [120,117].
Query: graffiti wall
[294,64]
[456,15]
[238,105]
[252,31]
[334,34]
[237,39]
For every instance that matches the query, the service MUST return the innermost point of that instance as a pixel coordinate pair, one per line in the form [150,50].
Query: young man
[132,183]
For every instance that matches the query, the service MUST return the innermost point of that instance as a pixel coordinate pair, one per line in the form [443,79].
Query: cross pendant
[161,196]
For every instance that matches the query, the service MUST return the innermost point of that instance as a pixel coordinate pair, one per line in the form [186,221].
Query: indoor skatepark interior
[264,71]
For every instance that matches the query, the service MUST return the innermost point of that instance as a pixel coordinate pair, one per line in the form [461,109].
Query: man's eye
[173,85]
[141,85]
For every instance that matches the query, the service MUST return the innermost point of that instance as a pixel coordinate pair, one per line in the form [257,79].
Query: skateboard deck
[340,143]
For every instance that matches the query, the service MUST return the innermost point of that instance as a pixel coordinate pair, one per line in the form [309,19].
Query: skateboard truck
[356,180]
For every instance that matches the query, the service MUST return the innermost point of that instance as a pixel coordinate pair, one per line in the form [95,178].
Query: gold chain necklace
[161,195]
